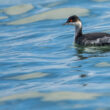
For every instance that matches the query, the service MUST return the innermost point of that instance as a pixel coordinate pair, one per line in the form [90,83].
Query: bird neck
[78,29]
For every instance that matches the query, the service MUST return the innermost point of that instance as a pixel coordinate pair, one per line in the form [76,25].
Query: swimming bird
[89,39]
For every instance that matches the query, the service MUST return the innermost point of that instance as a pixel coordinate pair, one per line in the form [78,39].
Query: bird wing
[97,39]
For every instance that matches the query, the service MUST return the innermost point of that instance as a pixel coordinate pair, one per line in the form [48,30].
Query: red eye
[71,20]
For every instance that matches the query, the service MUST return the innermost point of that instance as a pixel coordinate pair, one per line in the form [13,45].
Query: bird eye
[70,20]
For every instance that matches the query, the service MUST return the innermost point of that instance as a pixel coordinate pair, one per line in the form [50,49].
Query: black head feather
[73,18]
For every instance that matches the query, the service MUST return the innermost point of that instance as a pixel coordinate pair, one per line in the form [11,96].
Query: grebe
[90,39]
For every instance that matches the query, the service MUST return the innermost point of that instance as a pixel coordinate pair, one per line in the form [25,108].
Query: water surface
[41,68]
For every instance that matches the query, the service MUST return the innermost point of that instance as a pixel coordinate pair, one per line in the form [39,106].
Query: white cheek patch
[79,24]
[72,23]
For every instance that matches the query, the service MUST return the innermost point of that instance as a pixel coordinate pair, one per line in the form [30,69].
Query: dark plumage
[96,39]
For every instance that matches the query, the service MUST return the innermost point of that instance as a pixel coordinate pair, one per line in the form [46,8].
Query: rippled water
[41,68]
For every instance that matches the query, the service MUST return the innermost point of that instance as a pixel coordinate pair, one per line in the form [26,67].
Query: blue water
[42,69]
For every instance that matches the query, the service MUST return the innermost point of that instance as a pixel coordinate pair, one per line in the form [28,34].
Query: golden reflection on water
[52,14]
[29,76]
[3,17]
[60,96]
[53,4]
[102,109]
[90,49]
[103,64]
[79,106]
[16,10]
[53,96]
[100,0]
